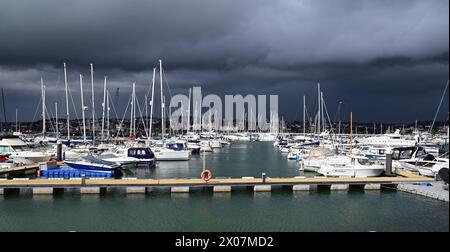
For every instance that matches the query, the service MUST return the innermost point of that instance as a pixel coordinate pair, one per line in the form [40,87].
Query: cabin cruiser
[238,137]
[134,156]
[19,151]
[205,146]
[175,151]
[323,156]
[359,167]
[267,137]
[387,140]
[4,161]
[417,159]
[372,152]
[193,146]
[215,144]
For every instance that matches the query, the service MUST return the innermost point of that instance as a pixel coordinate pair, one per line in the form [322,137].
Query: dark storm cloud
[379,56]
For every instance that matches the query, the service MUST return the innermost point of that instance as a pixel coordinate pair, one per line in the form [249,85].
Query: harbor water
[241,210]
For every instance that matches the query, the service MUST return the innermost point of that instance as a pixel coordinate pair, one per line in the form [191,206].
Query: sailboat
[168,151]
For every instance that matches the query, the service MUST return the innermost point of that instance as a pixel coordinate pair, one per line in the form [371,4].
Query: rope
[436,114]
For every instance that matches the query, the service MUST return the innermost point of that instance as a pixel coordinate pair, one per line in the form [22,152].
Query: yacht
[134,156]
[323,156]
[387,140]
[19,151]
[419,160]
[172,152]
[359,167]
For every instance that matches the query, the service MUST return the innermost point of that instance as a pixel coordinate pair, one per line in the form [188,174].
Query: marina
[258,116]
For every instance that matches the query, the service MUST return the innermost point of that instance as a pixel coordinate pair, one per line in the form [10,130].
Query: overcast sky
[386,60]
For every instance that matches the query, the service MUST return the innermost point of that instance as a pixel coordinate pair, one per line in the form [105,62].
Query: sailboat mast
[351,132]
[43,107]
[322,114]
[17,120]
[56,111]
[304,115]
[318,109]
[134,109]
[163,126]
[82,108]
[107,114]
[103,110]
[131,112]
[67,102]
[146,114]
[189,113]
[93,103]
[151,105]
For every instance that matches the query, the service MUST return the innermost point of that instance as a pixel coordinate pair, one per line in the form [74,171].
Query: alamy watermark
[249,112]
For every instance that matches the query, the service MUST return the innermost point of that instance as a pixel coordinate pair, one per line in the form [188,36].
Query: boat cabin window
[132,153]
[364,161]
[421,153]
[406,154]
[6,149]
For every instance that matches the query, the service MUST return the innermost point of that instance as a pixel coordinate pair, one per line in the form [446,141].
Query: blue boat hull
[90,167]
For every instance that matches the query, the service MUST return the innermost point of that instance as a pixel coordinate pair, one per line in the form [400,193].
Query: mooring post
[264,177]
[388,170]
[59,150]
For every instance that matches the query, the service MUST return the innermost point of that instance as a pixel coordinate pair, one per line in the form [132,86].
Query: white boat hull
[171,155]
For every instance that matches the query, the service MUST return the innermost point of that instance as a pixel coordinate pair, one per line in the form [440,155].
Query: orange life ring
[206,175]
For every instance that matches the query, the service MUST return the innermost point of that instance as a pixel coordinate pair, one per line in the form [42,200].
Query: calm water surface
[242,210]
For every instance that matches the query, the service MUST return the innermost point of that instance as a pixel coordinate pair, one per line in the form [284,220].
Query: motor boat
[193,146]
[91,163]
[144,155]
[19,151]
[205,146]
[215,144]
[359,167]
[417,159]
[322,156]
[387,140]
[134,156]
[172,152]
[294,154]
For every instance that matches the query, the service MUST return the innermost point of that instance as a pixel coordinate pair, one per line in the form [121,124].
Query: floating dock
[134,185]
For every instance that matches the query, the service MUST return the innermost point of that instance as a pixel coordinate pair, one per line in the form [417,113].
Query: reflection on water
[236,160]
